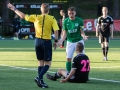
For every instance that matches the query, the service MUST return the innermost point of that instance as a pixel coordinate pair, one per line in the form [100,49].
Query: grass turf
[18,67]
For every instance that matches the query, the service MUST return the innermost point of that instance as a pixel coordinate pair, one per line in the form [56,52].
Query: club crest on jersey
[107,20]
[76,24]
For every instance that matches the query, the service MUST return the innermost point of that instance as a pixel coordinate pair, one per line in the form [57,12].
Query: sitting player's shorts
[71,79]
[43,49]
[75,80]
[70,48]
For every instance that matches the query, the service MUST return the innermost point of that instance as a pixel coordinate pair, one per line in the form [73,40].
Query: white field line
[54,72]
[107,67]
[59,68]
[14,67]
[104,80]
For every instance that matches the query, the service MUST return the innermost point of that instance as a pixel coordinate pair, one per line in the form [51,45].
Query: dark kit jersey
[105,25]
[82,65]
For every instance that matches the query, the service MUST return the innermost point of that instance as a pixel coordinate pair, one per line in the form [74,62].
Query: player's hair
[72,9]
[104,8]
[80,46]
[62,11]
[45,7]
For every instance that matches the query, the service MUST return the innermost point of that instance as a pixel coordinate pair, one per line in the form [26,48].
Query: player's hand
[85,37]
[10,6]
[96,34]
[54,45]
[60,42]
[63,80]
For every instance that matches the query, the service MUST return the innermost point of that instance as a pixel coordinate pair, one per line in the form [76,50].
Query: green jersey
[72,28]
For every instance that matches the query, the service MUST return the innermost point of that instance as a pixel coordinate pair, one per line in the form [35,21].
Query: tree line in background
[113,5]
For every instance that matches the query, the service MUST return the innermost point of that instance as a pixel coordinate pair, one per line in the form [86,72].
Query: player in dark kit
[16,25]
[62,13]
[105,28]
[80,68]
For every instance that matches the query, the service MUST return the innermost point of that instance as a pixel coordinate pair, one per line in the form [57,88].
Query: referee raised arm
[43,24]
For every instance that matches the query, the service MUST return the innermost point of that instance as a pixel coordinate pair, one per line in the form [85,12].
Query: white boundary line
[107,67]
[104,80]
[54,72]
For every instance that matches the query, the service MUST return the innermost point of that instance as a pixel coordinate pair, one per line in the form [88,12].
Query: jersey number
[85,63]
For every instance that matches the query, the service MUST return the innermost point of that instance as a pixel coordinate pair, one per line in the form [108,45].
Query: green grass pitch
[18,67]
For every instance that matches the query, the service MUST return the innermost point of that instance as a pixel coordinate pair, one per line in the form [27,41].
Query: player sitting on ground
[80,68]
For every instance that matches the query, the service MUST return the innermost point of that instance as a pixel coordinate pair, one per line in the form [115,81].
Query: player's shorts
[15,30]
[70,48]
[43,48]
[74,80]
[104,39]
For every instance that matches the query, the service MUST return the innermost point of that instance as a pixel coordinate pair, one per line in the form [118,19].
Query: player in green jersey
[72,29]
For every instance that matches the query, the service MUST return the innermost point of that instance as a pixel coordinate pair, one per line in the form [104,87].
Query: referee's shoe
[40,83]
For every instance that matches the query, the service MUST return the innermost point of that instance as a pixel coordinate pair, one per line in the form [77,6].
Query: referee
[43,24]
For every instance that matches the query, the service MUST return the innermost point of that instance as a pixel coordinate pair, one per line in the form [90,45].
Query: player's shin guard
[68,66]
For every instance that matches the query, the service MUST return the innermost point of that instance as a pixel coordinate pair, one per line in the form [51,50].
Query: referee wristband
[56,40]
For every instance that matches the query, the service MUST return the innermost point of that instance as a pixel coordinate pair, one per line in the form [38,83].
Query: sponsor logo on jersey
[72,31]
[104,23]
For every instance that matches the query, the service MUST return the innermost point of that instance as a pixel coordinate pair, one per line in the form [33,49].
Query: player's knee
[103,48]
[69,59]
[48,63]
[60,71]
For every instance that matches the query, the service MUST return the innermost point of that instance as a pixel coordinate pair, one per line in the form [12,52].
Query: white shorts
[72,77]
[70,48]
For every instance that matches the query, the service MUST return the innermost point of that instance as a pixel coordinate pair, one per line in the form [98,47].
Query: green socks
[68,66]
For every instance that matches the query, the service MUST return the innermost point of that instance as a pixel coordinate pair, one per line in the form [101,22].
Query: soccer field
[18,67]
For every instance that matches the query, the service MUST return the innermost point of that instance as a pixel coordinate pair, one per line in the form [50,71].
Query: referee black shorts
[43,48]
